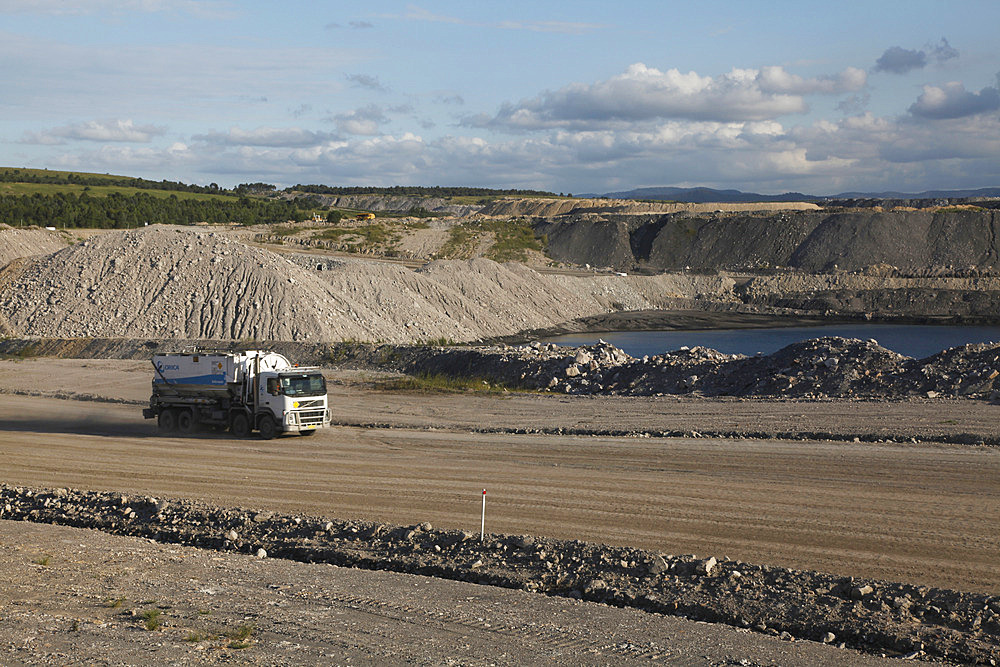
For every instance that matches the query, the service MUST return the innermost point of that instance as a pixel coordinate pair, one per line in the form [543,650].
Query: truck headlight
[291,418]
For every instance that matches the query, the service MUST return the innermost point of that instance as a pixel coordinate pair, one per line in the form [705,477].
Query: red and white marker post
[482,526]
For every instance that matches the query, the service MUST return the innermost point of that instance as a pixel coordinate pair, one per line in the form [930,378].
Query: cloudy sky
[583,96]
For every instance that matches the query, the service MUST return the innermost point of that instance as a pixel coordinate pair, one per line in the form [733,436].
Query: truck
[240,391]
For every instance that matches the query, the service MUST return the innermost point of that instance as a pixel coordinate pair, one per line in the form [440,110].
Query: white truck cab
[296,398]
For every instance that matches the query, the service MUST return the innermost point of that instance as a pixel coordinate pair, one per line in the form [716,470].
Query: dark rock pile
[819,368]
[872,615]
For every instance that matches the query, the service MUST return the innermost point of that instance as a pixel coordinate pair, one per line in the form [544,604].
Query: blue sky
[581,96]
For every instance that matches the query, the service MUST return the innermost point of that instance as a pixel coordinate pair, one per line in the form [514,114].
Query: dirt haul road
[918,513]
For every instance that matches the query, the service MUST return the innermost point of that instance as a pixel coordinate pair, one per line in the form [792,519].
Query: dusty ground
[86,605]
[913,512]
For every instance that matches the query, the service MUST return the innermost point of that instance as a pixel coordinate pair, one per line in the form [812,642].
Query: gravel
[830,367]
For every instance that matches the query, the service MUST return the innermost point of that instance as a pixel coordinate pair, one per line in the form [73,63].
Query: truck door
[269,396]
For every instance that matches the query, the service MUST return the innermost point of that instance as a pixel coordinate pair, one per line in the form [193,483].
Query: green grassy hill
[76,199]
[16,181]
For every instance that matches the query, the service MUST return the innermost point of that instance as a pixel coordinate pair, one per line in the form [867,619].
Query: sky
[570,97]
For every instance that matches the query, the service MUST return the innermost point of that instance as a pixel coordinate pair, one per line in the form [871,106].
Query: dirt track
[918,513]
[86,606]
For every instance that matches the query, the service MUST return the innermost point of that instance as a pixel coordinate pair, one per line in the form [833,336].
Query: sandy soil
[913,512]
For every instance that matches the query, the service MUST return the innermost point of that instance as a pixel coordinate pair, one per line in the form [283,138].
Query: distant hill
[927,194]
[705,195]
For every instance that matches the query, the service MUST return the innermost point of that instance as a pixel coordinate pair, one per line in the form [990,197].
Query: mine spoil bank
[807,240]
[829,367]
[18,242]
[183,283]
[871,615]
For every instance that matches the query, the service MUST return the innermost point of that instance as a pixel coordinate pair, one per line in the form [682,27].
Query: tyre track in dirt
[918,513]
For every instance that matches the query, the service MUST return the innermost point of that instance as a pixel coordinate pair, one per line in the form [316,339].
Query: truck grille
[311,417]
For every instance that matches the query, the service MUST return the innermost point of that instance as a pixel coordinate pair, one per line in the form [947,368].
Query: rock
[583,357]
[572,371]
[261,517]
[858,592]
[705,566]
[261,553]
[658,565]
[232,535]
[829,638]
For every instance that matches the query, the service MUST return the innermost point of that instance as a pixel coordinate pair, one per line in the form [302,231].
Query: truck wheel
[186,422]
[267,427]
[240,426]
[167,421]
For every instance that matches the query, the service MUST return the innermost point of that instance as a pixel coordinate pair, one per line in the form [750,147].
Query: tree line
[118,211]
[416,191]
[71,178]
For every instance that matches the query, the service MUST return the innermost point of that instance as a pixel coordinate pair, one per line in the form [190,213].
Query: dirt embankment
[396,204]
[516,206]
[172,282]
[16,242]
[184,283]
[813,241]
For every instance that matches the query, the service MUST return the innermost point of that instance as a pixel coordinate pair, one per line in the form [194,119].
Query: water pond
[913,340]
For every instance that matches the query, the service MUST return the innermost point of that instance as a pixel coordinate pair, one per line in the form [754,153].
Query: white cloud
[777,80]
[265,136]
[363,121]
[952,100]
[864,152]
[643,93]
[94,130]
[963,138]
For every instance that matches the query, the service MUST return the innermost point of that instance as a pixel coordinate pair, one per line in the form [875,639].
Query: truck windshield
[307,384]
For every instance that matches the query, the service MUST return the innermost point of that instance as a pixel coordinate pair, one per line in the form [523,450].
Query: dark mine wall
[849,240]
